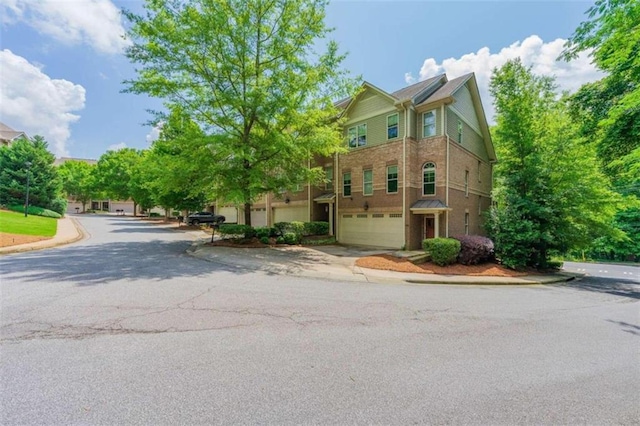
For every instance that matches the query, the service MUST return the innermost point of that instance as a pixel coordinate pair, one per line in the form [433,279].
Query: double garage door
[290,214]
[372,229]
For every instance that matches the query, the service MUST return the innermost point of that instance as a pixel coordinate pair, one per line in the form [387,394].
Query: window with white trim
[459,131]
[346,184]
[328,172]
[392,179]
[466,183]
[428,124]
[357,135]
[367,182]
[392,126]
[429,179]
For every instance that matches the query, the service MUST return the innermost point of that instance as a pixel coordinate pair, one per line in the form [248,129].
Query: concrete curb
[46,244]
[359,274]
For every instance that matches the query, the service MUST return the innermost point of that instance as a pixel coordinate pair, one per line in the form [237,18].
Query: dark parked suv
[204,217]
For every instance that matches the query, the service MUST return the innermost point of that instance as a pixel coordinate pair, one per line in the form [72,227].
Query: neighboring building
[419,166]
[8,135]
[106,205]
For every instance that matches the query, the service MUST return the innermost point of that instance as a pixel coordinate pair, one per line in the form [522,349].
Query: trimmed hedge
[474,249]
[230,230]
[444,251]
[316,228]
[36,211]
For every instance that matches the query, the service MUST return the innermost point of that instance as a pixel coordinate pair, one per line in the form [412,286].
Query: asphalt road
[124,328]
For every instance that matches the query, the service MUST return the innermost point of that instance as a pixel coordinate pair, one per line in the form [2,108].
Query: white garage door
[372,229]
[71,207]
[230,214]
[290,214]
[127,206]
[258,217]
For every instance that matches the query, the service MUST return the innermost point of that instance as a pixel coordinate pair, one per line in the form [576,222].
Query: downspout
[404,176]
[335,191]
[446,194]
[309,205]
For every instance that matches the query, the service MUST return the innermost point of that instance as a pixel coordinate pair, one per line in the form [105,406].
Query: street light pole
[26,201]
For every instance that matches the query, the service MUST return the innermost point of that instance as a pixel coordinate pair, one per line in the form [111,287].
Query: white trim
[356,127]
[435,127]
[350,184]
[397,126]
[364,182]
[387,179]
[435,168]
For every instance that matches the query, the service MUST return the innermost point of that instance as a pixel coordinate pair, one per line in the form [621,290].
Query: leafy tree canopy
[78,181]
[249,74]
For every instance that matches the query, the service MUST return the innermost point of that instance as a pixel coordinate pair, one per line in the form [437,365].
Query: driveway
[125,328]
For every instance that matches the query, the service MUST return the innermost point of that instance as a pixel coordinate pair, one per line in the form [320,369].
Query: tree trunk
[247,214]
[135,207]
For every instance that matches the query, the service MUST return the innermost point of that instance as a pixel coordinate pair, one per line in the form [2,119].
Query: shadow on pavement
[100,264]
[627,328]
[613,286]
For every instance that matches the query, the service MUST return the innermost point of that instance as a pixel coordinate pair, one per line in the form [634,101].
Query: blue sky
[61,62]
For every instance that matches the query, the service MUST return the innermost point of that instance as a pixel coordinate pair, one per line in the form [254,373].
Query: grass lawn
[16,223]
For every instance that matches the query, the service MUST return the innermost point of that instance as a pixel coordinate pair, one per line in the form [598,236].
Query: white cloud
[97,23]
[117,146]
[154,134]
[409,78]
[37,104]
[541,56]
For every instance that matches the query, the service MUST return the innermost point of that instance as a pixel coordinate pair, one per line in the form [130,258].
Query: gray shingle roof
[447,89]
[428,204]
[410,91]
[8,134]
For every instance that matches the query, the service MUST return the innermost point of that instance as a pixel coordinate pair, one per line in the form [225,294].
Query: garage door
[230,214]
[71,207]
[258,217]
[127,206]
[372,229]
[290,214]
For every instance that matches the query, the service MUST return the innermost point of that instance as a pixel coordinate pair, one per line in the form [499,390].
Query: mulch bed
[391,263]
[7,240]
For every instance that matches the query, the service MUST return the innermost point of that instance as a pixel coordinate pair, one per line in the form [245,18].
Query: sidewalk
[338,263]
[69,231]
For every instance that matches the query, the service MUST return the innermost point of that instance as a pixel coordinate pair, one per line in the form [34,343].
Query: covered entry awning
[428,206]
[329,197]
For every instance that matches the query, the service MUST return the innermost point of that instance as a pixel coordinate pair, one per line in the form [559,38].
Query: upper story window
[357,135]
[429,179]
[367,182]
[346,184]
[328,178]
[392,126]
[466,183]
[459,131]
[392,179]
[428,124]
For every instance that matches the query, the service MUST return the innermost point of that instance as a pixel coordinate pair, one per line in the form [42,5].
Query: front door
[429,227]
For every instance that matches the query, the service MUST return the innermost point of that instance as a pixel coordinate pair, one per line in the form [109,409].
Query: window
[466,223]
[466,183]
[459,131]
[357,135]
[346,184]
[392,126]
[367,182]
[479,170]
[328,178]
[428,124]
[105,206]
[392,179]
[429,179]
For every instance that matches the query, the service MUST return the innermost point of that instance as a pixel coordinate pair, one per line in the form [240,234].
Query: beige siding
[464,105]
[377,129]
[471,140]
[369,103]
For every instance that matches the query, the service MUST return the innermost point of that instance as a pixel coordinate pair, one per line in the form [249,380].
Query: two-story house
[418,165]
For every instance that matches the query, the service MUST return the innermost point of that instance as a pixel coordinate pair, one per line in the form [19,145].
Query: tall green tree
[115,175]
[250,74]
[551,195]
[44,182]
[78,181]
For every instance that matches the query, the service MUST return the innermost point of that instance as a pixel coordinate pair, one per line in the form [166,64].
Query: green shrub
[281,228]
[264,240]
[291,238]
[264,231]
[36,211]
[59,205]
[229,231]
[316,228]
[175,214]
[154,214]
[280,240]
[444,251]
[297,228]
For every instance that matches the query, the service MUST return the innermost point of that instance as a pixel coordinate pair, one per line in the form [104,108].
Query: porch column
[330,219]
[436,231]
